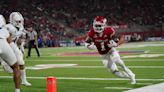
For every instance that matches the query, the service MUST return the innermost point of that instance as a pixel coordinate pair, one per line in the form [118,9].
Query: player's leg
[116,58]
[21,62]
[23,76]
[22,69]
[16,74]
[36,49]
[128,71]
[29,48]
[111,66]
[9,57]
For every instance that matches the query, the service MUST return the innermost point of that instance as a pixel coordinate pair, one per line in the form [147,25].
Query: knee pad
[105,62]
[115,56]
[22,67]
[113,68]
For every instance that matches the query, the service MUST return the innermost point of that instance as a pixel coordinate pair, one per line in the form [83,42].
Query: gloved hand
[112,43]
[90,46]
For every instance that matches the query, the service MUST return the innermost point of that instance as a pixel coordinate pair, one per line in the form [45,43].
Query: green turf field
[89,75]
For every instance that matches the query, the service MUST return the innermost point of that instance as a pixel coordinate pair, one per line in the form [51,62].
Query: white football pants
[18,53]
[6,53]
[111,59]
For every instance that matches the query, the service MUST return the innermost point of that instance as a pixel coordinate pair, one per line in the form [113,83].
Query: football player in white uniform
[16,30]
[7,54]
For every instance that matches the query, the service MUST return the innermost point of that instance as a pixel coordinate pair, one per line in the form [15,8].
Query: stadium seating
[51,18]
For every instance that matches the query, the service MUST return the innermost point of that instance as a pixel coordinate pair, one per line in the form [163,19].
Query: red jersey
[101,40]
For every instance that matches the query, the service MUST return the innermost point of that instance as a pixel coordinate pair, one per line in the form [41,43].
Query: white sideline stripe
[95,55]
[47,66]
[78,78]
[62,60]
[151,88]
[127,66]
[141,67]
[147,51]
[37,67]
[146,66]
[147,60]
[143,56]
[116,88]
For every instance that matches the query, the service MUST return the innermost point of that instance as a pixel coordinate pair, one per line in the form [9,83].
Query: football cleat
[26,83]
[132,80]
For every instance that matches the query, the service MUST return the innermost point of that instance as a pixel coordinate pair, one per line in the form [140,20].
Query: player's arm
[9,39]
[116,39]
[87,41]
[121,40]
[89,44]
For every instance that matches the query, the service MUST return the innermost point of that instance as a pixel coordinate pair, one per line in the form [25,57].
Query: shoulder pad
[10,28]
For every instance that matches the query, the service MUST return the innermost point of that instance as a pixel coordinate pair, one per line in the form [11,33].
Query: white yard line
[116,88]
[63,60]
[127,66]
[146,66]
[37,67]
[80,78]
[51,66]
[144,60]
[147,51]
[143,56]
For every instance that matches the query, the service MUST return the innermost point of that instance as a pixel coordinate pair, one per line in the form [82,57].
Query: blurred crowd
[79,14]
[57,20]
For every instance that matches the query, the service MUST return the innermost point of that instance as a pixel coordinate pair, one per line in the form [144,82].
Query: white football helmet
[99,24]
[16,19]
[2,21]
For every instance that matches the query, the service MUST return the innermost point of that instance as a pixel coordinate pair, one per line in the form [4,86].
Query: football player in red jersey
[100,37]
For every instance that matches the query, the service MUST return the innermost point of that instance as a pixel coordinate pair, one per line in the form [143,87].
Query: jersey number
[102,46]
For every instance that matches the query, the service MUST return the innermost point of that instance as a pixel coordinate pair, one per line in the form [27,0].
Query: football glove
[112,43]
[90,46]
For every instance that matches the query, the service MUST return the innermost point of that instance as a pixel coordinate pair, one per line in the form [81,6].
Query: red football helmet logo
[99,24]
